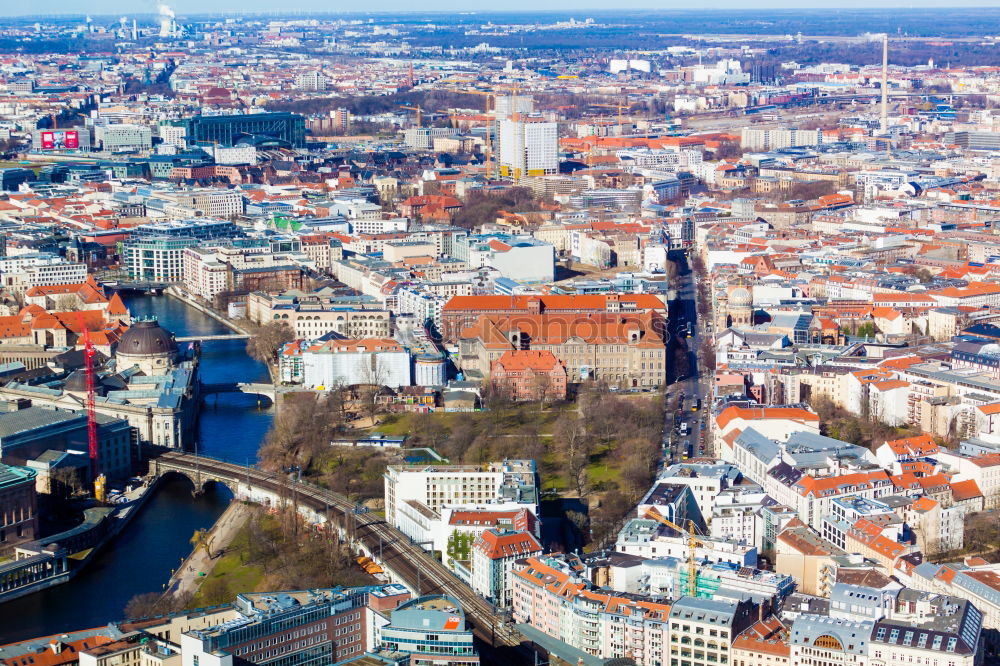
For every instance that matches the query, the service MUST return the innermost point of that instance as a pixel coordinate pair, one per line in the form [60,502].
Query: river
[141,558]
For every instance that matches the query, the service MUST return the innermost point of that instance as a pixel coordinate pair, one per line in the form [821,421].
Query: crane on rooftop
[692,543]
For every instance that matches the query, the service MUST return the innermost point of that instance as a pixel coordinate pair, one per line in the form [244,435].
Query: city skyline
[250,7]
[555,335]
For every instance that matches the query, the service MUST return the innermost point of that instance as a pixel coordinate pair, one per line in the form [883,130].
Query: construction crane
[673,126]
[692,542]
[489,123]
[414,108]
[88,356]
[620,106]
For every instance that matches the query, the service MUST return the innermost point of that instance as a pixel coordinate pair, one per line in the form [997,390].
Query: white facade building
[44,275]
[381,361]
[124,137]
[528,148]
[441,486]
[235,154]
[493,556]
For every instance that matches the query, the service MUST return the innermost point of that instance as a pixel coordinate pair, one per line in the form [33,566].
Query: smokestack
[885,84]
[167,24]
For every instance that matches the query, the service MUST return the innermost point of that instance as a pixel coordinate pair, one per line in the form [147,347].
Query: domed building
[740,308]
[148,345]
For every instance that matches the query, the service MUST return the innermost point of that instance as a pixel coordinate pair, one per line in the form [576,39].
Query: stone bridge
[267,390]
[209,338]
[368,534]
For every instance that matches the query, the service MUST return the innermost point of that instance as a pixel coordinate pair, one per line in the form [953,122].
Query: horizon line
[878,5]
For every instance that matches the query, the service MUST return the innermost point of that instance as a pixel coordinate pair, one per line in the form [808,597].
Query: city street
[686,390]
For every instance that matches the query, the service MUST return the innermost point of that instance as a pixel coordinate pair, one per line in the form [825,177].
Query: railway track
[419,569]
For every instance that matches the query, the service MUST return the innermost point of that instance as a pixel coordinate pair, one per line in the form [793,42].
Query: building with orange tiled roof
[987,418]
[916,455]
[381,361]
[775,422]
[87,295]
[763,644]
[983,469]
[462,311]
[975,294]
[620,349]
[544,588]
[807,557]
[972,580]
[494,553]
[529,374]
[868,539]
[61,650]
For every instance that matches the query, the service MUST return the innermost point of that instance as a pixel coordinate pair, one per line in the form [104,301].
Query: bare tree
[574,447]
[64,482]
[543,389]
[372,376]
[66,303]
[268,340]
[143,605]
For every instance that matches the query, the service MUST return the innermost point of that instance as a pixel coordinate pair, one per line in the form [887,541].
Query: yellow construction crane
[620,106]
[413,108]
[692,542]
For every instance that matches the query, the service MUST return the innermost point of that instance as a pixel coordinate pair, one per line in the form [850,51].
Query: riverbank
[206,555]
[42,566]
[176,292]
[184,297]
[140,560]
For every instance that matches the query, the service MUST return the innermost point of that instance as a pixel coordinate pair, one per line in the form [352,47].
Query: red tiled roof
[507,544]
[521,359]
[965,490]
[727,415]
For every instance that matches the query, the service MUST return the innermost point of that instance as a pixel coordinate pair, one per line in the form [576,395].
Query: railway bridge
[368,534]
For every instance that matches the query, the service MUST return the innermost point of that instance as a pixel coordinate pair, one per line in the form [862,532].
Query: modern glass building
[156,258]
[432,631]
[259,129]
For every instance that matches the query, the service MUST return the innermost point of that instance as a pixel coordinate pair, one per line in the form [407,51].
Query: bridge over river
[270,391]
[368,534]
[208,338]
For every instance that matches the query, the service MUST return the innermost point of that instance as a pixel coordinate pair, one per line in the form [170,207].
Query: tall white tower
[885,84]
[528,148]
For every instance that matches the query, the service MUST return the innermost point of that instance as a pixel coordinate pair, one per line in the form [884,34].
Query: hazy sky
[97,7]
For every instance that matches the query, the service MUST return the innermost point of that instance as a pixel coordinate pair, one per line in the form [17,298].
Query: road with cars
[687,402]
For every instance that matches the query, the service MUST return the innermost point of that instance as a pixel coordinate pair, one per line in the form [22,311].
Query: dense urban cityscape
[627,338]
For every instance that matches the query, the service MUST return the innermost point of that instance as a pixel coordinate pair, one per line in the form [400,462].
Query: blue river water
[141,559]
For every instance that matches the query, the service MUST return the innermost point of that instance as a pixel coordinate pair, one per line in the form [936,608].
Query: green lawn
[236,576]
[603,471]
[402,424]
